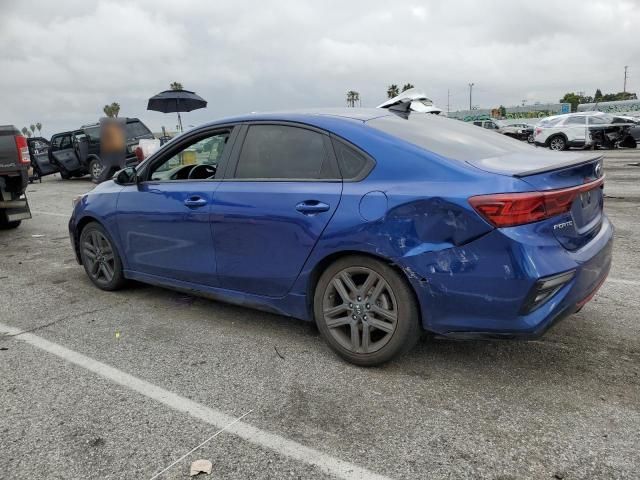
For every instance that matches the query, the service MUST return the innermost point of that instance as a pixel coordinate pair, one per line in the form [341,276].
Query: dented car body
[494,237]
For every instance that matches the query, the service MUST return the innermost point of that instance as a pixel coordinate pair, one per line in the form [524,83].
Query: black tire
[95,169]
[353,328]
[100,258]
[557,143]
[6,225]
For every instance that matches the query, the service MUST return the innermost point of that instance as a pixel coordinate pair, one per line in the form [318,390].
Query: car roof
[315,117]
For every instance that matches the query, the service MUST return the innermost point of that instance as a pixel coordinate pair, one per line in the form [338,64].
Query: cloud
[63,61]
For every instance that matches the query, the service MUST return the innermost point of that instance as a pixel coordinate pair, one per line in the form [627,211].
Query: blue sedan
[377,225]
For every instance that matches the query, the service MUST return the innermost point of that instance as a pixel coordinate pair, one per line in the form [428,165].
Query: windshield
[448,137]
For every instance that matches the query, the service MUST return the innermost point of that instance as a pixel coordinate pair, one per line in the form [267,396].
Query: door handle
[194,202]
[311,207]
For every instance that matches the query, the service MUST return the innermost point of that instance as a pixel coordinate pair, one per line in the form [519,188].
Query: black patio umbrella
[177,101]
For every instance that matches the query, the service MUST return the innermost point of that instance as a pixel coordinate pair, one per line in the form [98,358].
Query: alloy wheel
[95,170]
[557,144]
[98,253]
[360,310]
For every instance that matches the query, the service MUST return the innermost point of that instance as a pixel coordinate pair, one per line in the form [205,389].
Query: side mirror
[126,176]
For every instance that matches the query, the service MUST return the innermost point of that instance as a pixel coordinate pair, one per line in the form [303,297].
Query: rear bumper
[478,290]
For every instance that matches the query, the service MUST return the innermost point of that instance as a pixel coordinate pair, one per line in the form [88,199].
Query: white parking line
[289,448]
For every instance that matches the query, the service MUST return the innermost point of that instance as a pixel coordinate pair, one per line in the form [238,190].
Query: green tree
[176,86]
[393,91]
[612,97]
[407,86]
[112,110]
[598,95]
[575,99]
[32,127]
[39,127]
[503,111]
[24,131]
[353,97]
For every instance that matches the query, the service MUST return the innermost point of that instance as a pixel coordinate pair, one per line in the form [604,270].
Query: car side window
[283,152]
[353,164]
[575,120]
[65,142]
[55,143]
[196,161]
[93,134]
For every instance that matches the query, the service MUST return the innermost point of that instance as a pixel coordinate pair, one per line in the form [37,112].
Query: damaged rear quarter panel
[425,231]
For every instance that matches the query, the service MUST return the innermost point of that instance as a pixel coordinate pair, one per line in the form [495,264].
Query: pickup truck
[14,177]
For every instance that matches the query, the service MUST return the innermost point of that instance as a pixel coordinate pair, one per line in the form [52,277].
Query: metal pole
[624,89]
[470,96]
[448,98]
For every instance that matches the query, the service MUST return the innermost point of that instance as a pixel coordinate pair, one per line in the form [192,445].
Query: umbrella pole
[180,122]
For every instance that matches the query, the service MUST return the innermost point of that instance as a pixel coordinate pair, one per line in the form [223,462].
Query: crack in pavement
[68,317]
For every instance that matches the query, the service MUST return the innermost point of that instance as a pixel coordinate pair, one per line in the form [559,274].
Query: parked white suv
[560,132]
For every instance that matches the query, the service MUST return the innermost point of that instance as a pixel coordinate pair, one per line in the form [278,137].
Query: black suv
[77,152]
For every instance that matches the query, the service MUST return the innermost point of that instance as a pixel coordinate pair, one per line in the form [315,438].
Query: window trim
[328,148]
[184,141]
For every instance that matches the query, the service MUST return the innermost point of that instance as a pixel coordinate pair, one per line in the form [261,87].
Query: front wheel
[366,311]
[100,258]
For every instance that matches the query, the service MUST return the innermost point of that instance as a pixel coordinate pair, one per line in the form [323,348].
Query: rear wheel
[7,225]
[557,143]
[100,258]
[366,311]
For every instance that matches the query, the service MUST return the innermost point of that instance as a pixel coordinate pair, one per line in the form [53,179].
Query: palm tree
[112,110]
[353,97]
[406,87]
[39,127]
[176,86]
[393,91]
[24,131]
[32,127]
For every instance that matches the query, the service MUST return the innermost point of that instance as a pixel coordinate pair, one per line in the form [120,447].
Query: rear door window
[65,142]
[575,120]
[283,152]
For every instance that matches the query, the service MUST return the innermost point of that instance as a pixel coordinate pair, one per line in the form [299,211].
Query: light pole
[470,95]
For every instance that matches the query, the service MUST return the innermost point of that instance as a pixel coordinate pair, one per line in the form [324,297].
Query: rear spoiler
[557,166]
[524,164]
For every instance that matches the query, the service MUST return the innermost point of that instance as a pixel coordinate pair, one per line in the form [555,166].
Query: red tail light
[538,131]
[510,209]
[23,150]
[139,154]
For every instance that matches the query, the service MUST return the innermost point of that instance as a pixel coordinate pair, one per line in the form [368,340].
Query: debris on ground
[200,466]
[279,354]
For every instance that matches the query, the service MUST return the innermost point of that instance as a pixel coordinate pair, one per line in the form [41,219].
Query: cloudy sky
[62,61]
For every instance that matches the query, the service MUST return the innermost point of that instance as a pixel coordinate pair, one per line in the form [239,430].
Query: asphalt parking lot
[119,385]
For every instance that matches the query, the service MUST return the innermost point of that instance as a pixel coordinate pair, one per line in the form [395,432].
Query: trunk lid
[552,171]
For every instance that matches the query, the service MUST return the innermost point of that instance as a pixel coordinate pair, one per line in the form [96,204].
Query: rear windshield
[136,129]
[448,137]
